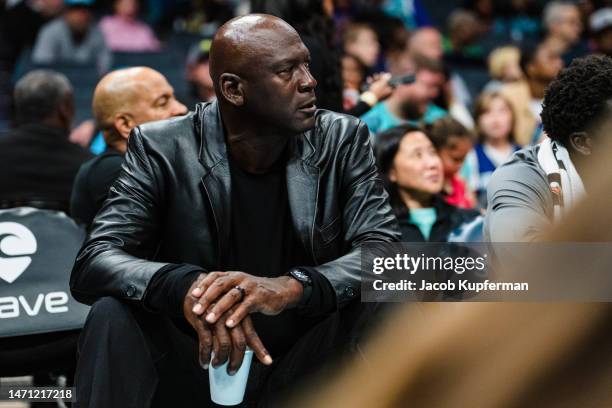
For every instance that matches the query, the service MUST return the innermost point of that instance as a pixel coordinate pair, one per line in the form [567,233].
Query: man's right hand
[218,339]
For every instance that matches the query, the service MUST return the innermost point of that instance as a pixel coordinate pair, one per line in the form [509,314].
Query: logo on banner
[17,244]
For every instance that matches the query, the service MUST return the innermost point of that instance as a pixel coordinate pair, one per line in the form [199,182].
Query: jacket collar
[213,148]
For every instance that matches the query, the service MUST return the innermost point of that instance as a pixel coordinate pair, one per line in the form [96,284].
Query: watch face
[300,275]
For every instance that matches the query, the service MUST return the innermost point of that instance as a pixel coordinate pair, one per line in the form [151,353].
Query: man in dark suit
[37,161]
[123,99]
[239,224]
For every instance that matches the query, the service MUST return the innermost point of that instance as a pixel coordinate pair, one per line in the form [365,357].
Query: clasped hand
[218,305]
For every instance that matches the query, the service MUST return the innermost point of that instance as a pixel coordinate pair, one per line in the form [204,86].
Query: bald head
[243,41]
[119,92]
[128,97]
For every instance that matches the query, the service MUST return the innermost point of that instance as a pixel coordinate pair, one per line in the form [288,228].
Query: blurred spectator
[454,97]
[361,42]
[414,178]
[354,101]
[353,77]
[540,65]
[494,121]
[391,34]
[410,102]
[601,29]
[563,24]
[426,42]
[453,143]
[412,12]
[518,20]
[201,17]
[201,87]
[74,37]
[20,23]
[463,32]
[484,11]
[123,32]
[504,67]
[396,55]
[123,100]
[313,20]
[37,161]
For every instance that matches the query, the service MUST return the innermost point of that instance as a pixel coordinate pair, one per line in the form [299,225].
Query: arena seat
[39,319]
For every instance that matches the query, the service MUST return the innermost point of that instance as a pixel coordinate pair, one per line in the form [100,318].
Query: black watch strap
[304,278]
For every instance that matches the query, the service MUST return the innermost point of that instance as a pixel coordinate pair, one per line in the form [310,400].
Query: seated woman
[414,179]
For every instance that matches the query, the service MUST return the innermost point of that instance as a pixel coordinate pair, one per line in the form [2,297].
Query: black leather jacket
[171,204]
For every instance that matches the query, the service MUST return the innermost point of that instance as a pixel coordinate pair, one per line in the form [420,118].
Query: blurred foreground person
[258,182]
[414,176]
[122,100]
[37,161]
[540,184]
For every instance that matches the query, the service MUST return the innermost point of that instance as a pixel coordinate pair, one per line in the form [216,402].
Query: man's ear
[232,88]
[581,142]
[124,123]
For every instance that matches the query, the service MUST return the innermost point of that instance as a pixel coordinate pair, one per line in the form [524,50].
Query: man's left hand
[247,293]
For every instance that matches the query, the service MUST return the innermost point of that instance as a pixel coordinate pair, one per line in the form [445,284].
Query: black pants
[129,358]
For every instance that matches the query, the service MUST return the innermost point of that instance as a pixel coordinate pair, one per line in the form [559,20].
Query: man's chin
[304,124]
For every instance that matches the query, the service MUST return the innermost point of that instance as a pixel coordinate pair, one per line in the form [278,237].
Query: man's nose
[307,82]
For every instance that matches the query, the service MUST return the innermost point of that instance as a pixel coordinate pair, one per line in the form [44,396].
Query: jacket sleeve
[367,216]
[114,260]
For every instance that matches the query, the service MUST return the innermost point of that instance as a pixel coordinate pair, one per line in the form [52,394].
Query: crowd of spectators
[485,64]
[448,90]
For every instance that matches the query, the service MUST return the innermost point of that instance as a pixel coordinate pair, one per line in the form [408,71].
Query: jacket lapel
[302,189]
[302,181]
[216,181]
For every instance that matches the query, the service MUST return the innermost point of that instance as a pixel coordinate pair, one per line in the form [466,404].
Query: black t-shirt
[263,243]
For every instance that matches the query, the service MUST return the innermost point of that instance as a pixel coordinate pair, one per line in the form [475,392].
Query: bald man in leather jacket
[239,224]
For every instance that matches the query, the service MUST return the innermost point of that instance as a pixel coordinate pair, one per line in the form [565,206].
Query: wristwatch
[304,278]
